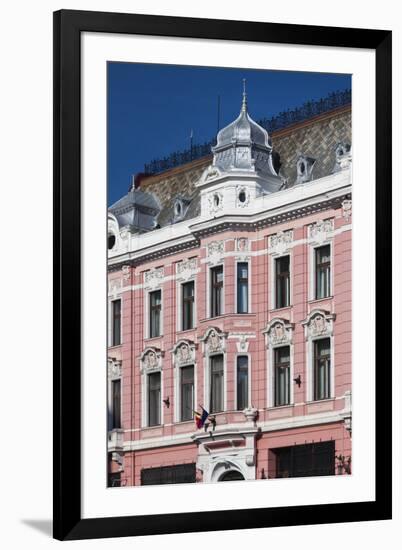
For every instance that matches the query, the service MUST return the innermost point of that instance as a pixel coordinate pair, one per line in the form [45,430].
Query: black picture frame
[68,26]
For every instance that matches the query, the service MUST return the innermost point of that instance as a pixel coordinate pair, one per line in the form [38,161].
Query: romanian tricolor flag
[200,418]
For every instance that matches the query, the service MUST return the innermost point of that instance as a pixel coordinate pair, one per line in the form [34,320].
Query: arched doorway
[232,475]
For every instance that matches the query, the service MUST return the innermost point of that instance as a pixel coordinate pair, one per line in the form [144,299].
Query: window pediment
[214,340]
[184,352]
[318,323]
[279,332]
[151,359]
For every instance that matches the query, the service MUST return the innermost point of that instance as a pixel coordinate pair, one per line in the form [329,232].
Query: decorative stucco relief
[113,368]
[281,242]
[184,352]
[151,359]
[186,269]
[215,250]
[347,209]
[214,341]
[321,231]
[318,323]
[278,332]
[153,278]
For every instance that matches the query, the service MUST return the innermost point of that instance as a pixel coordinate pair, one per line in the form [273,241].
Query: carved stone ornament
[126,271]
[242,196]
[321,230]
[214,340]
[153,278]
[113,368]
[319,323]
[243,344]
[184,352]
[242,244]
[186,269]
[278,332]
[215,202]
[151,359]
[215,251]
[114,286]
[281,242]
[347,209]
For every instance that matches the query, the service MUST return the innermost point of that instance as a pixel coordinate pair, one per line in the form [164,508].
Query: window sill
[279,309]
[225,315]
[326,400]
[280,407]
[187,330]
[116,346]
[153,338]
[318,300]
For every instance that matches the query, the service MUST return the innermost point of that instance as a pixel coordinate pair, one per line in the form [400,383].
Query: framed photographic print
[222,274]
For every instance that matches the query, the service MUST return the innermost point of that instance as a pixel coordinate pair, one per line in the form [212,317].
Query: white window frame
[177,390]
[112,378]
[271,375]
[274,257]
[147,312]
[248,355]
[209,283]
[312,270]
[110,320]
[207,380]
[310,368]
[179,305]
[248,262]
[144,397]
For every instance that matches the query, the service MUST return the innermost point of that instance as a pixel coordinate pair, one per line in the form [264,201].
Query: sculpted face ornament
[184,353]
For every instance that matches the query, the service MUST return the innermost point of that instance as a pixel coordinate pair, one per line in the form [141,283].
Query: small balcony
[115,440]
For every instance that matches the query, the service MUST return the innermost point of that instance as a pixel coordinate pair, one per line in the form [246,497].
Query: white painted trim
[207,379]
[247,261]
[271,375]
[272,259]
[177,388]
[147,319]
[110,320]
[312,265]
[315,419]
[209,286]
[179,305]
[249,378]
[144,398]
[310,367]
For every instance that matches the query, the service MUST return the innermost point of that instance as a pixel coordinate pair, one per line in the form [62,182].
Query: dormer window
[304,168]
[216,200]
[180,208]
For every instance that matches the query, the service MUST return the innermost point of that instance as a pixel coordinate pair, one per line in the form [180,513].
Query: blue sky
[152,108]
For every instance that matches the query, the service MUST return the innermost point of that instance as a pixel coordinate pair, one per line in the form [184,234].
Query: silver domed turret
[243,145]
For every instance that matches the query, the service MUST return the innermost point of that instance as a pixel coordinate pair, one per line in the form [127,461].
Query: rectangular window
[242,287]
[116,404]
[188,305]
[242,382]
[323,272]
[186,393]
[216,291]
[282,376]
[154,398]
[322,369]
[216,383]
[282,282]
[116,322]
[155,307]
[311,459]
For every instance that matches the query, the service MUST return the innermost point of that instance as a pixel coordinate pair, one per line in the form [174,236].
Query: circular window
[216,200]
[242,196]
[111,241]
[340,152]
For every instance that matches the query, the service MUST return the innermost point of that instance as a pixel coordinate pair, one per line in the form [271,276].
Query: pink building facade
[241,306]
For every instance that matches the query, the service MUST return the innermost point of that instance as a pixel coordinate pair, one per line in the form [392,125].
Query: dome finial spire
[244,102]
